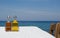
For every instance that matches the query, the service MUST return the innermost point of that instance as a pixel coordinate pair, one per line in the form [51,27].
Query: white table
[25,32]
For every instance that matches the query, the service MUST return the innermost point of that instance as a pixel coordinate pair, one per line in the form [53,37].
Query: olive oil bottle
[8,24]
[15,26]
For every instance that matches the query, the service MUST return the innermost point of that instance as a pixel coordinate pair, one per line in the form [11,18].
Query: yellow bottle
[15,26]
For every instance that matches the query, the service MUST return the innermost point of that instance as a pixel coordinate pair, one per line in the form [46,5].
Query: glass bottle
[15,26]
[8,24]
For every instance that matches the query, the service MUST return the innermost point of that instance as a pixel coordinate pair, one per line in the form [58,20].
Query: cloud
[30,14]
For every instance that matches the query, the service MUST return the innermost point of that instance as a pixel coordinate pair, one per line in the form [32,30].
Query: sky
[30,10]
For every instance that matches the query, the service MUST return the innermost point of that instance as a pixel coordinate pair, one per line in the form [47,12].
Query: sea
[44,25]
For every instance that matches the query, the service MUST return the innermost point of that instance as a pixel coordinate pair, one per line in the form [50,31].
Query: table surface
[25,32]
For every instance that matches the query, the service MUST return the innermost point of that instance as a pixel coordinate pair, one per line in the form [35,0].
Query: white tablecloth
[25,32]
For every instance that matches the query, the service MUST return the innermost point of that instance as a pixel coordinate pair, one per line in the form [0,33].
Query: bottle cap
[15,17]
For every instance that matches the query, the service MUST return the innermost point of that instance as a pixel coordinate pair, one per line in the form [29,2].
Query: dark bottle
[8,25]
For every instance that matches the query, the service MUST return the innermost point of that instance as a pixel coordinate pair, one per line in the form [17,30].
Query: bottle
[8,24]
[15,26]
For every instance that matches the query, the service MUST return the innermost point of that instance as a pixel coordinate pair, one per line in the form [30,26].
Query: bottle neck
[8,21]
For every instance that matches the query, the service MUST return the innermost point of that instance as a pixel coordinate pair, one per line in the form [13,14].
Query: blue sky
[31,10]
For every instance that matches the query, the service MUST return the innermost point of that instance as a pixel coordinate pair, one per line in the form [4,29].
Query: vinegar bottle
[15,26]
[8,24]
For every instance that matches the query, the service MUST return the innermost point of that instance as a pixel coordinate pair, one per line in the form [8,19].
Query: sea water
[44,25]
